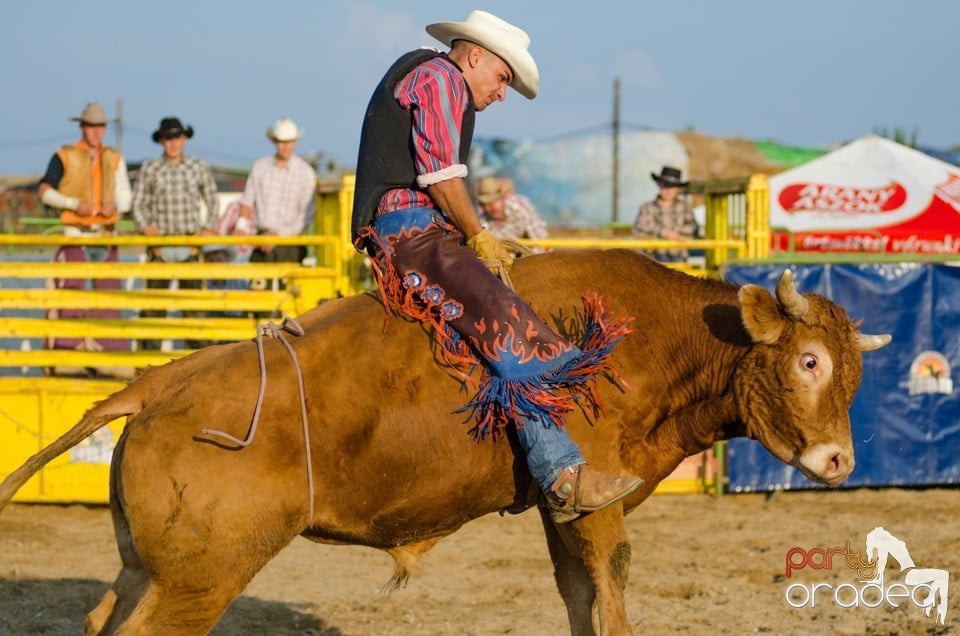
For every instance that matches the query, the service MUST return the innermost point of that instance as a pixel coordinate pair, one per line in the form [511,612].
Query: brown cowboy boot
[581,489]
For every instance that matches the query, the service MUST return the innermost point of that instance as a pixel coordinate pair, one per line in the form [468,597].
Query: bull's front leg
[571,576]
[591,559]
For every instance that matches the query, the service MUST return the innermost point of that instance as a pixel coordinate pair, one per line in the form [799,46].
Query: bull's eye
[808,361]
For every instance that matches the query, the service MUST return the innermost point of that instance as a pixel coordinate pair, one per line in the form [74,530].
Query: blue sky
[807,73]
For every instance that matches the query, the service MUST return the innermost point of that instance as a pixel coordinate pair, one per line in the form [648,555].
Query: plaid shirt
[653,219]
[436,95]
[522,220]
[172,196]
[282,197]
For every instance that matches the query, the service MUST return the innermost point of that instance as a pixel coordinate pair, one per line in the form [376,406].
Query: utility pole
[616,148]
[119,122]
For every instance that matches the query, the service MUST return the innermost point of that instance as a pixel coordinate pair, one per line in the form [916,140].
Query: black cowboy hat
[171,127]
[669,177]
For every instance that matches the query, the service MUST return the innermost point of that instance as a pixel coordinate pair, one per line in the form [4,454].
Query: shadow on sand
[57,607]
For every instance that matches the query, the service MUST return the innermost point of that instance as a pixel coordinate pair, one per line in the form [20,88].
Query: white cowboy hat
[284,129]
[508,42]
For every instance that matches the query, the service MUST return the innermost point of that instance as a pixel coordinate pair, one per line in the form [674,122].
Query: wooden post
[616,150]
[119,123]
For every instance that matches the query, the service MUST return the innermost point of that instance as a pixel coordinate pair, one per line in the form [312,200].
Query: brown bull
[393,466]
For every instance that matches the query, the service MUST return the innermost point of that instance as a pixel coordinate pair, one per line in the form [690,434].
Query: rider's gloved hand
[490,251]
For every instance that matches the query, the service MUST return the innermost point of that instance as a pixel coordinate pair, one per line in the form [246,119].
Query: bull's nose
[829,462]
[836,467]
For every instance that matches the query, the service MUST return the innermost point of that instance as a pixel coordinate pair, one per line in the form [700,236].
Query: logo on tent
[818,197]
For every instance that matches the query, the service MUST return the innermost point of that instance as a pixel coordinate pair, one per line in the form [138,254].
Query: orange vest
[88,180]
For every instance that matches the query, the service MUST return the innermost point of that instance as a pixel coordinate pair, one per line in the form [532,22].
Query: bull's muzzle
[827,463]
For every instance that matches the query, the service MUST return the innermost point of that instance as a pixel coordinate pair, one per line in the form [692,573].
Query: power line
[645,127]
[575,133]
[605,127]
[23,143]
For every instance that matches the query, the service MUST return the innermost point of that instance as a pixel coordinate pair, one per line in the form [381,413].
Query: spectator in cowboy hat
[175,195]
[413,214]
[279,195]
[667,216]
[171,128]
[88,183]
[506,214]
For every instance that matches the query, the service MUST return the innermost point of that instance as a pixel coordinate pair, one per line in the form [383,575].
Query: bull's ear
[760,314]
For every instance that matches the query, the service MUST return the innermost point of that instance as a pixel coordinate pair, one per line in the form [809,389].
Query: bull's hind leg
[131,583]
[165,604]
[175,611]
[189,594]
[186,557]
[118,602]
[97,619]
[130,586]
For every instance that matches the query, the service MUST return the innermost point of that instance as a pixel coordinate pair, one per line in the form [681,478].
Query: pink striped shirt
[436,95]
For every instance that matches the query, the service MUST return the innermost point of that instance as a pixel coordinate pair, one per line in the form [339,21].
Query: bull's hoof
[582,489]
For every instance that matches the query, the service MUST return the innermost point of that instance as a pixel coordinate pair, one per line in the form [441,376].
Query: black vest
[386,159]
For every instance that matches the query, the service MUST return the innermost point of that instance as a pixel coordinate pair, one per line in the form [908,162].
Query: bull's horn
[868,342]
[792,301]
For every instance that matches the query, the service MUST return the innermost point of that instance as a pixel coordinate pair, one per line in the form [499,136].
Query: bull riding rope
[272,330]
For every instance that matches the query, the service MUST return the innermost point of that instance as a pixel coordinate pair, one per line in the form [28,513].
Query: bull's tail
[117,405]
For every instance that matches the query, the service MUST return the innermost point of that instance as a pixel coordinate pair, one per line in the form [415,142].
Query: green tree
[898,135]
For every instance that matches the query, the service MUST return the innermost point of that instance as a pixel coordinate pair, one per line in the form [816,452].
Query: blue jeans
[549,451]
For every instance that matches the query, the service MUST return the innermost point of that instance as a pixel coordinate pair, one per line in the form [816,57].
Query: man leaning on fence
[278,198]
[175,195]
[88,183]
[668,216]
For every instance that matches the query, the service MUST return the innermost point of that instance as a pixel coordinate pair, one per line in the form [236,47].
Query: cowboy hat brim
[490,189]
[668,182]
[275,138]
[285,135]
[502,38]
[92,115]
[169,133]
[483,199]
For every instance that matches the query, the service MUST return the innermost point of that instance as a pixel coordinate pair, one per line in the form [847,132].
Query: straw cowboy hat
[669,177]
[490,189]
[92,115]
[171,127]
[284,129]
[508,42]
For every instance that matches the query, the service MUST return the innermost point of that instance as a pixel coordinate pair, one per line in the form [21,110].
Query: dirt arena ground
[700,566]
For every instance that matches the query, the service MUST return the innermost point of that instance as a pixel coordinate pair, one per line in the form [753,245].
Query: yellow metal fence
[38,402]
[289,289]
